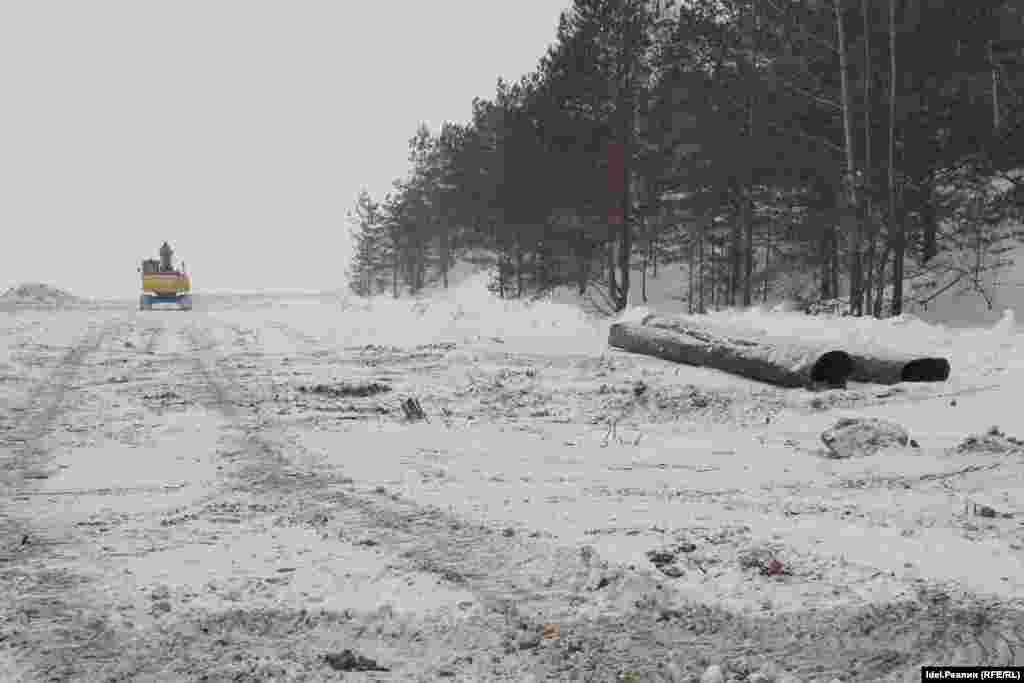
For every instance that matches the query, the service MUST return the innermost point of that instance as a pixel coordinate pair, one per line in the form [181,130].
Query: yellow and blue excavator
[162,283]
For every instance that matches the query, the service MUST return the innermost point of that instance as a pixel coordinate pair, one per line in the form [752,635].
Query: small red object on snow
[774,568]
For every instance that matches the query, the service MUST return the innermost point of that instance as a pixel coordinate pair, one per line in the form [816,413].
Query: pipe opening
[925,370]
[833,368]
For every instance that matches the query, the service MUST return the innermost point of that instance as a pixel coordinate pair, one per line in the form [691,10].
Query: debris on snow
[984,511]
[764,561]
[413,410]
[361,390]
[347,660]
[165,398]
[828,307]
[858,437]
[993,441]
[660,558]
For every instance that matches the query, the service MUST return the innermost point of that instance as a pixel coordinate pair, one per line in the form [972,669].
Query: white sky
[241,132]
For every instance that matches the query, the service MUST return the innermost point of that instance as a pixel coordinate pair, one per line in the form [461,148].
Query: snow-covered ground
[235,492]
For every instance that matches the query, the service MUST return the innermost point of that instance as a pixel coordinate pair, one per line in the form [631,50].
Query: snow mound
[38,294]
[1007,324]
[467,313]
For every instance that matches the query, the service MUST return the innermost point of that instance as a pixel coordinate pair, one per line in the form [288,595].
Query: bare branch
[809,95]
[804,32]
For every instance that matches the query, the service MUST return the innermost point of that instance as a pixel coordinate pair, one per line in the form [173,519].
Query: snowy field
[234,493]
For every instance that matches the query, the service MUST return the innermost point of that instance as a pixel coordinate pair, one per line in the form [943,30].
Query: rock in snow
[713,674]
[858,437]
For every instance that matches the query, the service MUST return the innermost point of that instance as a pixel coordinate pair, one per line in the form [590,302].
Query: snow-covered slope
[38,294]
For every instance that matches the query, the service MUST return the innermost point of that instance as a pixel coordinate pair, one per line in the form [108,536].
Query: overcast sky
[239,131]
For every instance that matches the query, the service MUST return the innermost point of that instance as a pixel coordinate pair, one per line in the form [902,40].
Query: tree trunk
[853,232]
[395,265]
[896,225]
[764,283]
[748,190]
[736,254]
[781,361]
[643,273]
[826,258]
[626,113]
[691,260]
[714,275]
[445,257]
[643,282]
[748,252]
[654,255]
[880,282]
[613,288]
[583,255]
[869,263]
[626,247]
[868,214]
[700,270]
[930,225]
[834,269]
[996,123]
[543,262]
[519,270]
[421,267]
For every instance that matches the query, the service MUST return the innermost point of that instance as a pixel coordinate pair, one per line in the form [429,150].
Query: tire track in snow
[58,623]
[612,618]
[155,336]
[50,618]
[293,334]
[264,461]
[45,401]
[398,526]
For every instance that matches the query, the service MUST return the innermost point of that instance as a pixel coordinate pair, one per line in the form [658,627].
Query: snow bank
[465,313]
[468,313]
[969,350]
[38,294]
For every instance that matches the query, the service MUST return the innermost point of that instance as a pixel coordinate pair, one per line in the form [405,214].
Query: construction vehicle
[162,283]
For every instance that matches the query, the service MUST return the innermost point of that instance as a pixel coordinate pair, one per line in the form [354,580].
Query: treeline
[869,142]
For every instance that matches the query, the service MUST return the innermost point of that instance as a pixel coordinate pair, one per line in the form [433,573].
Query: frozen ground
[234,494]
